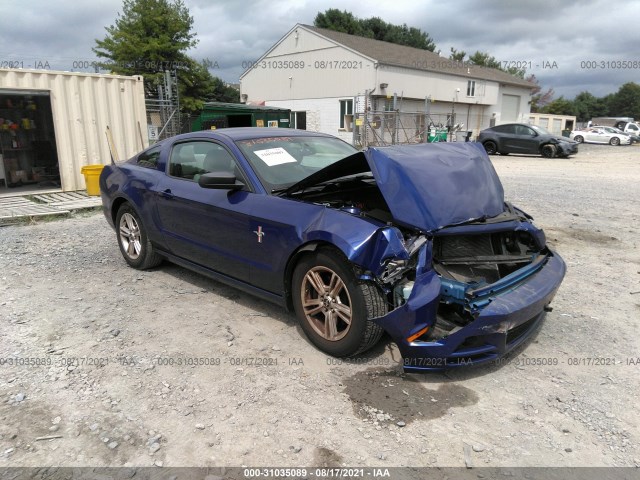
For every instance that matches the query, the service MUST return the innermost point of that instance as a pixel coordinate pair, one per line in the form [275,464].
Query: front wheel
[133,240]
[335,309]
[548,151]
[579,138]
[490,147]
[615,141]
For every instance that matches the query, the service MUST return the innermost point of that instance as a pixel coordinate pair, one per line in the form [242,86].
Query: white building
[326,77]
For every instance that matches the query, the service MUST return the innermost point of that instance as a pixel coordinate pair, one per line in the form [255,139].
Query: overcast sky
[560,36]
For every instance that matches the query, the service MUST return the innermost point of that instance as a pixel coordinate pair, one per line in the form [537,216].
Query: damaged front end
[467,277]
[467,294]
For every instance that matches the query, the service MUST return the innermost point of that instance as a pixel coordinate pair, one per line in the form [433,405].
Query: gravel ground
[168,368]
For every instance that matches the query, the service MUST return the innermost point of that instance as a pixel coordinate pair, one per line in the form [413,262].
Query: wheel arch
[293,260]
[494,141]
[115,206]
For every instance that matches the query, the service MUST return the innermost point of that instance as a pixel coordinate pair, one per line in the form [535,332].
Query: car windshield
[540,130]
[283,161]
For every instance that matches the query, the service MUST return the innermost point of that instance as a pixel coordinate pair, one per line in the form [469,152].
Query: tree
[410,36]
[338,21]
[374,27]
[586,106]
[559,106]
[626,101]
[151,36]
[456,55]
[489,61]
[605,104]
[539,99]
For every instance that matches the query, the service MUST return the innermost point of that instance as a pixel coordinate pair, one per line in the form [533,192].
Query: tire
[548,150]
[133,240]
[490,147]
[615,141]
[579,138]
[334,309]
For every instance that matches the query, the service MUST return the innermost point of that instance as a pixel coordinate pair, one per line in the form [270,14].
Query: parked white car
[600,135]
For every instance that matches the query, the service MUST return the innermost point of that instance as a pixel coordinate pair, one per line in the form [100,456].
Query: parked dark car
[521,138]
[413,240]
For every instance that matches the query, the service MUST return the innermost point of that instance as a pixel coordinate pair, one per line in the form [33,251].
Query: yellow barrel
[92,178]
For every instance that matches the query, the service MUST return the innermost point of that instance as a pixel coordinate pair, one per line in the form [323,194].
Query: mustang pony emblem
[259,233]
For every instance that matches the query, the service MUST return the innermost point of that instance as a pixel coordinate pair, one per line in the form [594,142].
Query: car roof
[508,124]
[243,133]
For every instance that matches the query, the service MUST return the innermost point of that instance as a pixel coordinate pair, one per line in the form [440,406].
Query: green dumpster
[437,135]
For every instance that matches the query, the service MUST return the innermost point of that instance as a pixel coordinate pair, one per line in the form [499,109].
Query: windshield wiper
[280,190]
[346,178]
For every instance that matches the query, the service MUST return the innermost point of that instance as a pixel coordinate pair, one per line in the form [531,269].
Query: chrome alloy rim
[326,303]
[130,236]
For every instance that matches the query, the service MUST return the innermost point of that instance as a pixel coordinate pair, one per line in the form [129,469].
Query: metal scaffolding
[391,126]
[163,112]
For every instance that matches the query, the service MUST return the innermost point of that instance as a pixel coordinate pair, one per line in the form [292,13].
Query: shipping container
[53,123]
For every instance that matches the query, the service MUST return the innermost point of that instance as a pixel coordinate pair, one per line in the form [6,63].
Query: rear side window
[503,129]
[149,159]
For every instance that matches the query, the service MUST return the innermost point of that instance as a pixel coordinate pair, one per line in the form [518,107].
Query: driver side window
[190,160]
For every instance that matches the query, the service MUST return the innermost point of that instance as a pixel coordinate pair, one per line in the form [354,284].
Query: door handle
[167,194]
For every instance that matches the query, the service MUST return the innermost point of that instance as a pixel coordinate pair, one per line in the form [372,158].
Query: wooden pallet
[69,200]
[37,205]
[15,207]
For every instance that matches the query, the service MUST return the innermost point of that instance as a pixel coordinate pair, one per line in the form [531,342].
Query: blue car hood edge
[431,186]
[426,186]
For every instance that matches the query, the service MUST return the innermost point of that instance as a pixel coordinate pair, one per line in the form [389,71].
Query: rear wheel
[614,141]
[579,138]
[548,150]
[334,309]
[133,240]
[490,147]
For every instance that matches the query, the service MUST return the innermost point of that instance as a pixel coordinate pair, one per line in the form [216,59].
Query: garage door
[510,108]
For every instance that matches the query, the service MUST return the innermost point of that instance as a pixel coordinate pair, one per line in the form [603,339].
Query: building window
[346,108]
[298,120]
[471,88]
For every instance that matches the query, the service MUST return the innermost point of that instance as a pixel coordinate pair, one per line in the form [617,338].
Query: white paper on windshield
[275,156]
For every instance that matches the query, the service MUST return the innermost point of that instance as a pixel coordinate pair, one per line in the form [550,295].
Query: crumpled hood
[426,186]
[430,186]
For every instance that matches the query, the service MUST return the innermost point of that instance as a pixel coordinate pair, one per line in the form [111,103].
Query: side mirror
[220,181]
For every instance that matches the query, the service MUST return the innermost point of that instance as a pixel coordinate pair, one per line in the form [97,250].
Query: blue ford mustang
[413,240]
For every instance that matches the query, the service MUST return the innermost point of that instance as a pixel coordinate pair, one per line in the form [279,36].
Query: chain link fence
[393,128]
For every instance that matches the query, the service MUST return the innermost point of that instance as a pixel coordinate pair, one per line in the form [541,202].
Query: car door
[504,138]
[595,136]
[525,140]
[205,226]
